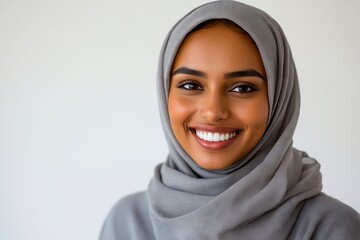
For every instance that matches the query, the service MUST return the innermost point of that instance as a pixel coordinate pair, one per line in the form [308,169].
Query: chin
[214,164]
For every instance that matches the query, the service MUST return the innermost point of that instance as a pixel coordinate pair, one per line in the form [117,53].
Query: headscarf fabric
[259,197]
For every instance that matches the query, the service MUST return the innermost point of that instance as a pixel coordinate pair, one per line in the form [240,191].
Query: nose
[214,108]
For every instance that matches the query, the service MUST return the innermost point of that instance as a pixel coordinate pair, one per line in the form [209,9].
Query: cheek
[254,114]
[180,110]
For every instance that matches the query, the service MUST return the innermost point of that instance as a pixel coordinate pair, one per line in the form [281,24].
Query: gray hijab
[260,197]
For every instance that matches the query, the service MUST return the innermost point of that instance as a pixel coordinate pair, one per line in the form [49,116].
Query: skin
[208,93]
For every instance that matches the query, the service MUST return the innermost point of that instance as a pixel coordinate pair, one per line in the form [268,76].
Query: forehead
[219,46]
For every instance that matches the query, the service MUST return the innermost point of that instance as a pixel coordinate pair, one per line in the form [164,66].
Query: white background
[79,124]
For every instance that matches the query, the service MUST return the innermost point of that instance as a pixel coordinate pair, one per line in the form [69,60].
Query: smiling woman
[218,104]
[229,102]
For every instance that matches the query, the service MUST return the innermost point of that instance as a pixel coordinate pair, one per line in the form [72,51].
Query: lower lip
[215,146]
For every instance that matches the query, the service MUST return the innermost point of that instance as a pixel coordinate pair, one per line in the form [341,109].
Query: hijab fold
[259,197]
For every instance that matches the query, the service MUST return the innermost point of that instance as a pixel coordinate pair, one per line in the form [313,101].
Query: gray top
[321,218]
[268,194]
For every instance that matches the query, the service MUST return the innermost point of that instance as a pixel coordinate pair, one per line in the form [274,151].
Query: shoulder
[128,219]
[132,205]
[324,217]
[331,210]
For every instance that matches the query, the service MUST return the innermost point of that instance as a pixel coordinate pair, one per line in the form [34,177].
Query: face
[218,103]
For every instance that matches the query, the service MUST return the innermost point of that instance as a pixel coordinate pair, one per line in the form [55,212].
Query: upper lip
[218,129]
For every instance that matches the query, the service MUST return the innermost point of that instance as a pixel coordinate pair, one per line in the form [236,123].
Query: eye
[243,88]
[190,86]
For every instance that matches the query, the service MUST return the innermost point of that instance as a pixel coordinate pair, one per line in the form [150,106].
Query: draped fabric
[259,197]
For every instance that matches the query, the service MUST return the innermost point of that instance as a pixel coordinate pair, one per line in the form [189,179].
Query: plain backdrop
[79,124]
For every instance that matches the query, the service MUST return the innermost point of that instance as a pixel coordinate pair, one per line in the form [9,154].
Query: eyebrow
[245,73]
[197,73]
[189,71]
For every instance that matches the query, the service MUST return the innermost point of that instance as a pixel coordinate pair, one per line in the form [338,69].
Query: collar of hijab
[259,197]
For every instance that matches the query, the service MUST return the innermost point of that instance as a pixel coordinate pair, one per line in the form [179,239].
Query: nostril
[214,115]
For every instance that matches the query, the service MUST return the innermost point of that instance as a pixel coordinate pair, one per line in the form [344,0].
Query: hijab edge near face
[269,57]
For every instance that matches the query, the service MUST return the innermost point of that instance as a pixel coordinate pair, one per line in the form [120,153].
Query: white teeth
[222,137]
[214,136]
[227,136]
[210,137]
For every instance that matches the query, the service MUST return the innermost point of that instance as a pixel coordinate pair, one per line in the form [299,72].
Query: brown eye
[243,88]
[190,86]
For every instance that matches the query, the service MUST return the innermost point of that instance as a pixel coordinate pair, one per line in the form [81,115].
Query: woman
[229,102]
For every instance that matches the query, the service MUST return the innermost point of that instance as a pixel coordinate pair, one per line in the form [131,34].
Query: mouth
[214,136]
[215,139]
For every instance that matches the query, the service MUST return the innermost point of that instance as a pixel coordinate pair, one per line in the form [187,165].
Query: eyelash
[243,88]
[190,86]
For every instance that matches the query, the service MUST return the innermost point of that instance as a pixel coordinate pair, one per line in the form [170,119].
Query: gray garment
[261,196]
[263,190]
[321,218]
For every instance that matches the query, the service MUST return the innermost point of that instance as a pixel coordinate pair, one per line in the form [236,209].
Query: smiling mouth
[216,139]
[214,136]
